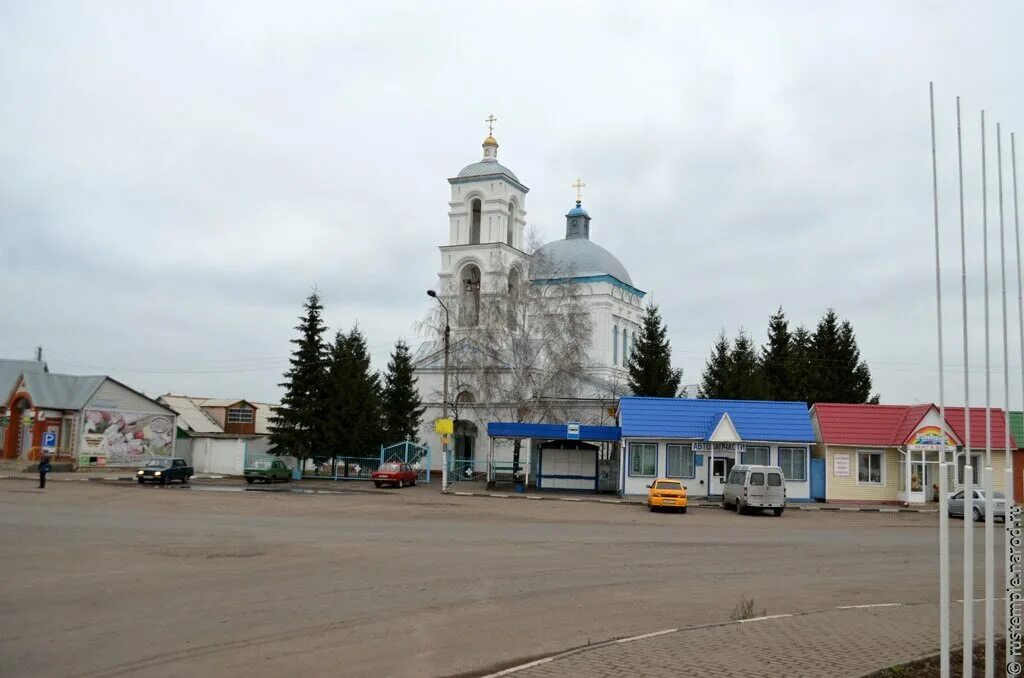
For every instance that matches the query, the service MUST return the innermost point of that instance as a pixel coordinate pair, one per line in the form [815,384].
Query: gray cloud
[176,177]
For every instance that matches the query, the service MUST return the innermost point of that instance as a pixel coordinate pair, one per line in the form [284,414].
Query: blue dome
[579,258]
[577,211]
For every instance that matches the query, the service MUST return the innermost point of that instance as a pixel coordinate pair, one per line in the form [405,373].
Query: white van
[755,487]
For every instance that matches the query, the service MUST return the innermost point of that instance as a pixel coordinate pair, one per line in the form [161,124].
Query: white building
[483,255]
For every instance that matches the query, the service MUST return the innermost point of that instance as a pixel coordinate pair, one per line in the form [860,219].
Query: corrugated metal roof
[579,258]
[485,168]
[10,370]
[1017,426]
[891,425]
[190,416]
[197,420]
[60,391]
[755,420]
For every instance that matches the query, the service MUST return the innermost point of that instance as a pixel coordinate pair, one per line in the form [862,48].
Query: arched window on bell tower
[474,221]
[511,223]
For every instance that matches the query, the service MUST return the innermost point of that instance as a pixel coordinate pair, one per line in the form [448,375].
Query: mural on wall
[114,438]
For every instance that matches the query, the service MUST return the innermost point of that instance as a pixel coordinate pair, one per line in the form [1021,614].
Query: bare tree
[524,357]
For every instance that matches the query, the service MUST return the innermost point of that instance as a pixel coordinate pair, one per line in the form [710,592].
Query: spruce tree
[297,428]
[717,370]
[744,379]
[856,380]
[801,366]
[354,428]
[838,375]
[402,409]
[650,361]
[777,360]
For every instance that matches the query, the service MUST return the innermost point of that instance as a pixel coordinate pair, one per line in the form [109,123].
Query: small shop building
[1017,430]
[92,420]
[698,441]
[890,453]
[220,435]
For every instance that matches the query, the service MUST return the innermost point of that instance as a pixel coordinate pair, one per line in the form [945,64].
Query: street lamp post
[444,402]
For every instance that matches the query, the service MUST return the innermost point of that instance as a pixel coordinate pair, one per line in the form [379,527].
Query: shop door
[720,467]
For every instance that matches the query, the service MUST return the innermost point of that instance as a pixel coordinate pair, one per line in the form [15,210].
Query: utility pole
[444,398]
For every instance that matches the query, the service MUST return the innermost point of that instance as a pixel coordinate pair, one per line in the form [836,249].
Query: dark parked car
[164,471]
[395,473]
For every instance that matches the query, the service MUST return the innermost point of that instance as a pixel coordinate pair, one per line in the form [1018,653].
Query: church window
[469,296]
[474,222]
[615,345]
[465,397]
[625,347]
[511,222]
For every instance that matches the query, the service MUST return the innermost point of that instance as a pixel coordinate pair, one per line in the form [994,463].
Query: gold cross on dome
[579,186]
[490,120]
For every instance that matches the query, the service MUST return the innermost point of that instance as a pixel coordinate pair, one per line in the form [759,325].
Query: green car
[274,472]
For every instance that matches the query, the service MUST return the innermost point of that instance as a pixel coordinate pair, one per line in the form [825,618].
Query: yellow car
[665,493]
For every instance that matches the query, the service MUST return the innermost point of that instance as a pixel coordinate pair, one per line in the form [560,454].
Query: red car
[394,473]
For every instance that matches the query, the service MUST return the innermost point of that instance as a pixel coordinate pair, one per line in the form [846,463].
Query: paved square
[113,579]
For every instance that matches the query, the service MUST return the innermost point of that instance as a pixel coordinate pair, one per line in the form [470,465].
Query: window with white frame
[793,462]
[961,463]
[869,468]
[240,415]
[679,461]
[756,454]
[643,459]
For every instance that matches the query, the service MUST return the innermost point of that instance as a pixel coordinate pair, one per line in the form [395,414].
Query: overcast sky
[175,177]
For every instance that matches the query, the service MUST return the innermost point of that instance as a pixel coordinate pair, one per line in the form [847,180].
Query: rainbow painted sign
[929,436]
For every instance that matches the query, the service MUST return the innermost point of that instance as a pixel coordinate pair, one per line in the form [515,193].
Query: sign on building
[841,466]
[572,431]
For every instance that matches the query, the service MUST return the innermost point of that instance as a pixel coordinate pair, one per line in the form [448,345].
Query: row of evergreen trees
[820,366]
[334,404]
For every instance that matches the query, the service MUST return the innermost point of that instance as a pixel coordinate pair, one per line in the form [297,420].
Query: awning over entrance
[502,429]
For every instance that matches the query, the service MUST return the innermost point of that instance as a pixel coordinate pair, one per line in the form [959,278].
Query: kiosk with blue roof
[699,441]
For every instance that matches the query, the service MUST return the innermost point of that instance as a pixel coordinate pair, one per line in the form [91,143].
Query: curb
[702,504]
[80,479]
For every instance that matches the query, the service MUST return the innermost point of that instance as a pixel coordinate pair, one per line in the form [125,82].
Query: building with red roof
[890,453]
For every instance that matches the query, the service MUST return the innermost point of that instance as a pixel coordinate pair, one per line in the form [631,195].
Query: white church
[485,254]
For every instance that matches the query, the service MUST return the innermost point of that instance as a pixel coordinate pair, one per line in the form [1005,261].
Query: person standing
[44,468]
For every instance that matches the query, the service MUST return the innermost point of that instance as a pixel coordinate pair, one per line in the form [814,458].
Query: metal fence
[341,468]
[408,452]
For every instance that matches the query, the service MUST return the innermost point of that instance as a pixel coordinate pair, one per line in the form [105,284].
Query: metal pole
[987,474]
[943,513]
[963,292]
[444,405]
[990,499]
[968,649]
[1010,485]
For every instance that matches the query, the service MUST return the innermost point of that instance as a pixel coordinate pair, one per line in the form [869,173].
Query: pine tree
[856,375]
[354,428]
[717,370]
[401,400]
[744,380]
[298,426]
[650,361]
[838,375]
[777,360]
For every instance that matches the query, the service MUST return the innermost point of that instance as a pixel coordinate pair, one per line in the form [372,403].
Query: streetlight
[444,402]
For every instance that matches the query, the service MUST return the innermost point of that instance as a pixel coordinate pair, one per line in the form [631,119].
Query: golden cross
[579,186]
[490,124]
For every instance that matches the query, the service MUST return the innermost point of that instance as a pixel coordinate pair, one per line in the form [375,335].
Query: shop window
[756,455]
[793,462]
[679,461]
[240,415]
[869,468]
[643,459]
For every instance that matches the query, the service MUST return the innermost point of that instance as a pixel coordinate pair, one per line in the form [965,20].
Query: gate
[408,452]
[818,479]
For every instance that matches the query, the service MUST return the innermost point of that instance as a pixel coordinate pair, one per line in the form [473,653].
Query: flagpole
[943,512]
[1010,485]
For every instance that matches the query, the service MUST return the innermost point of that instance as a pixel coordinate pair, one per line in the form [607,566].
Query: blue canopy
[502,429]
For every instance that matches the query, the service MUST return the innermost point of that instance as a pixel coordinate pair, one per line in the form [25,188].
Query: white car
[956,505]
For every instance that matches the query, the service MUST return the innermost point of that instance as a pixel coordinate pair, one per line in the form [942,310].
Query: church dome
[581,257]
[485,168]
